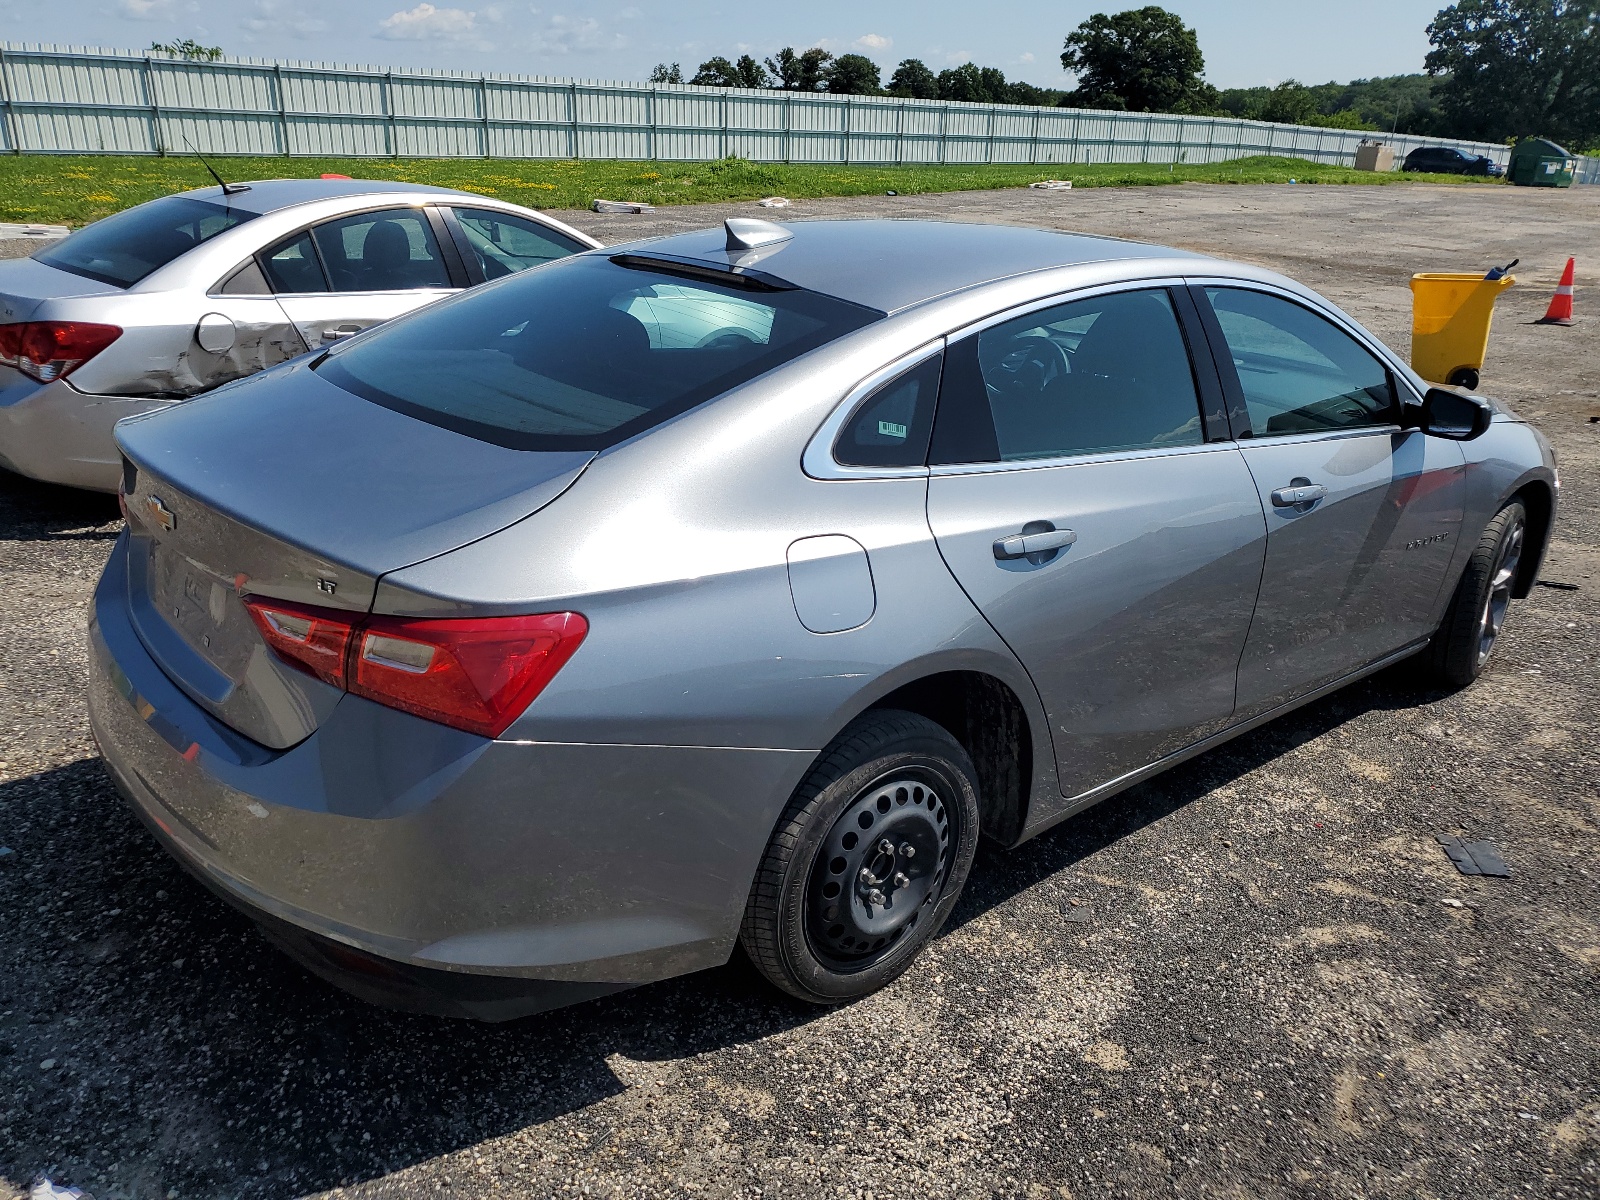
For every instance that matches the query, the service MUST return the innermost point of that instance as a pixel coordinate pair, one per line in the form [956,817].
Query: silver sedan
[171,298]
[724,588]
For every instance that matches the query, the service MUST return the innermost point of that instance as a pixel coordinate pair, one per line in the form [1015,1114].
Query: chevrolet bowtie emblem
[160,513]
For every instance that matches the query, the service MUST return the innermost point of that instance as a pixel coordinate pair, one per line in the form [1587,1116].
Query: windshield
[125,247]
[582,353]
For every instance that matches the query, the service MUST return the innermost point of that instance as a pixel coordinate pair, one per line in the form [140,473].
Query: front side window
[124,248]
[1091,376]
[584,353]
[504,244]
[389,251]
[890,427]
[1299,372]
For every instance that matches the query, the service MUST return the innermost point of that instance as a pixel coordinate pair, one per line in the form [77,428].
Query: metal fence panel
[77,99]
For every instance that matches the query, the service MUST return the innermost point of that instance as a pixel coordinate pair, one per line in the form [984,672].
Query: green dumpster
[1539,162]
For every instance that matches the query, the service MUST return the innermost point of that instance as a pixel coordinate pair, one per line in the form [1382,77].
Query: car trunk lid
[26,283]
[284,486]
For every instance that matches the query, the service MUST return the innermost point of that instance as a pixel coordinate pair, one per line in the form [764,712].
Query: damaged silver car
[174,297]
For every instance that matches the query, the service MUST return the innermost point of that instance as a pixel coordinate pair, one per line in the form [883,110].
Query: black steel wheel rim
[881,869]
[1492,619]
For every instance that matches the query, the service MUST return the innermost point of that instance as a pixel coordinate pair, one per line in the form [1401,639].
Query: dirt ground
[1256,976]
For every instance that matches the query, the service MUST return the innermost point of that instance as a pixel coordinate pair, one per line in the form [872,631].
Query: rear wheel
[1472,624]
[867,860]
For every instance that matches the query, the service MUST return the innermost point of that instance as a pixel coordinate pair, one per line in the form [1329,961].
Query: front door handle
[1020,545]
[335,333]
[1305,493]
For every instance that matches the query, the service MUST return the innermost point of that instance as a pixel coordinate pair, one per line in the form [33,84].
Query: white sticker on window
[890,429]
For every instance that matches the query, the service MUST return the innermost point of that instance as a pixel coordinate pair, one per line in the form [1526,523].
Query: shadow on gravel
[185,1052]
[1000,874]
[31,511]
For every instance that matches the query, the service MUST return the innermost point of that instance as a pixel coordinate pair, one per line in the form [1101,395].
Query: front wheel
[867,860]
[1477,613]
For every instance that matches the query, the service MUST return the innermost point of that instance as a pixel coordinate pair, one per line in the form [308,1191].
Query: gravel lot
[1255,976]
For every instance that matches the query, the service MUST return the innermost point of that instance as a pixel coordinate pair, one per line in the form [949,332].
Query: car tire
[1471,627]
[839,906]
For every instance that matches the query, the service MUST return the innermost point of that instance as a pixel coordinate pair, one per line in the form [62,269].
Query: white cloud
[427,23]
[873,41]
[276,16]
[1026,57]
[574,35]
[146,10]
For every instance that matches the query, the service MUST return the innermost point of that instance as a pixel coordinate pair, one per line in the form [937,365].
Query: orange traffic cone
[1561,303]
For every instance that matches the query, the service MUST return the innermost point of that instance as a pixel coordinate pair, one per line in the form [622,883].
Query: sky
[1246,43]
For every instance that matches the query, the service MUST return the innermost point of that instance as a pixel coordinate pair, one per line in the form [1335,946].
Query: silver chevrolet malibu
[722,589]
[171,298]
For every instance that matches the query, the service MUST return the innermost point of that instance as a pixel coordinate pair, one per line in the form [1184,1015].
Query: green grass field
[73,190]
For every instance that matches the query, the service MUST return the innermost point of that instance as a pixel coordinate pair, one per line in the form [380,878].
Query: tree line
[816,70]
[1499,69]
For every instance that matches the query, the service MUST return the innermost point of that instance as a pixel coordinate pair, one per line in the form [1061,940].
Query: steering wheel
[1026,365]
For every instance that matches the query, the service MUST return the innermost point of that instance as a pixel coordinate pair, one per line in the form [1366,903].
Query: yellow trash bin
[1450,315]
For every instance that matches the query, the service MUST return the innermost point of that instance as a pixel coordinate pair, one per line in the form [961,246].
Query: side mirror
[1451,415]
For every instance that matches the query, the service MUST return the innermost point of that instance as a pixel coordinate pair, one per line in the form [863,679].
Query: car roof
[268,195]
[890,265]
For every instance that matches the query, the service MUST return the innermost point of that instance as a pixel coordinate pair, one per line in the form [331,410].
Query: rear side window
[504,244]
[1091,376]
[890,427]
[1299,372]
[584,353]
[292,267]
[124,248]
[389,251]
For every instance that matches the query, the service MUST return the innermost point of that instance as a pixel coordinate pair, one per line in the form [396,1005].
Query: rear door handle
[336,333]
[1020,545]
[1306,493]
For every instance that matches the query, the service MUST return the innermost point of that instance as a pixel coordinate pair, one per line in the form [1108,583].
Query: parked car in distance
[168,299]
[1446,160]
[658,607]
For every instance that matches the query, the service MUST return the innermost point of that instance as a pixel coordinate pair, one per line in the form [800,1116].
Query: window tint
[890,427]
[125,247]
[387,251]
[1103,374]
[583,353]
[246,281]
[505,244]
[1299,372]
[292,266]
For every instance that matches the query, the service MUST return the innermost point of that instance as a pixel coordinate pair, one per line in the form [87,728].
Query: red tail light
[50,350]
[478,675]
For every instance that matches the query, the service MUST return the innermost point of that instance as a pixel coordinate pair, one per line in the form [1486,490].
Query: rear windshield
[125,247]
[583,352]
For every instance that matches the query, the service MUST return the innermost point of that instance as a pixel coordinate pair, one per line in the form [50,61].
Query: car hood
[26,282]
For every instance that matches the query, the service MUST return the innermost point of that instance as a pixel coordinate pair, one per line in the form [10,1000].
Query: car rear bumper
[55,433]
[433,870]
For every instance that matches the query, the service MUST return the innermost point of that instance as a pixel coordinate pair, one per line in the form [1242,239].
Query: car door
[495,243]
[1076,496]
[341,276]
[1362,514]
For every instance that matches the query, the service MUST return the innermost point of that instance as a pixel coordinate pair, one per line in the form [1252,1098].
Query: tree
[1144,60]
[716,72]
[1290,103]
[914,80]
[666,73]
[800,72]
[1519,68]
[854,75]
[719,72]
[973,84]
[188,48]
